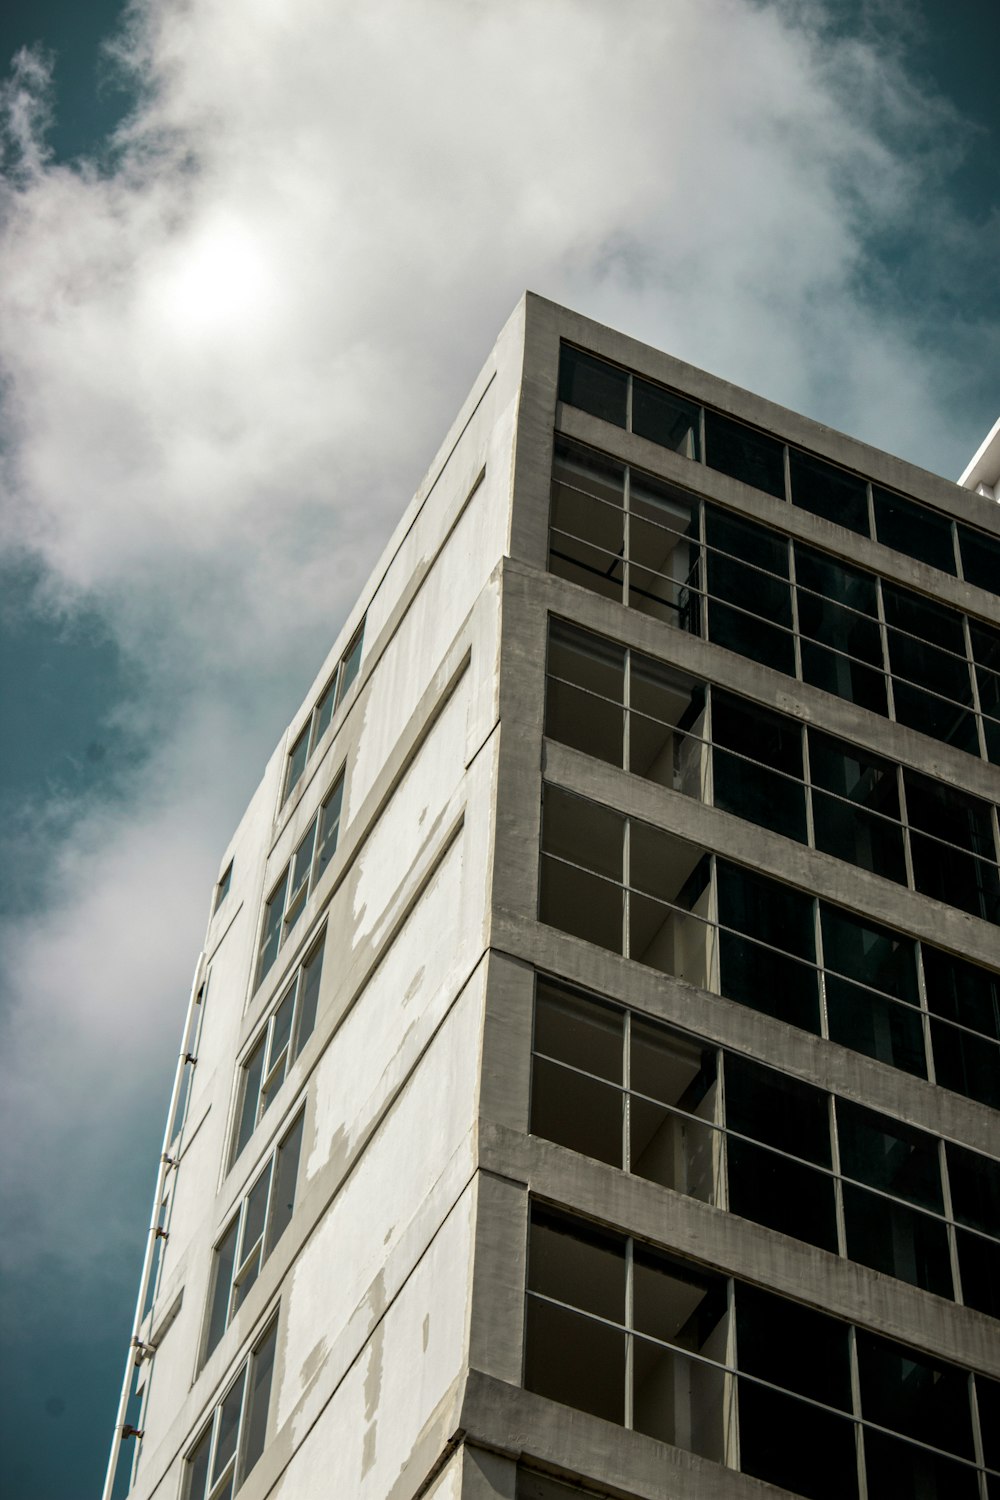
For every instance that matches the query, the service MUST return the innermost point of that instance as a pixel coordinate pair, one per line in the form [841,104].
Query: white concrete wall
[377,1252]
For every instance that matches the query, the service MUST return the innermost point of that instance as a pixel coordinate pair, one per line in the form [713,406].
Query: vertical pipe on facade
[147,1261]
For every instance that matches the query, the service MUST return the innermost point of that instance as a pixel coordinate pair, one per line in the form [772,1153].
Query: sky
[251,257]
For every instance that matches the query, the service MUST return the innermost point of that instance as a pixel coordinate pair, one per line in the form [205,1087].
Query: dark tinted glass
[914,530]
[763,974]
[297,760]
[757,766]
[980,558]
[825,490]
[975,1189]
[962,991]
[780,1111]
[793,1347]
[255,1422]
[665,418]
[750,605]
[897,1240]
[979,1268]
[350,666]
[841,640]
[914,1395]
[252,1074]
[884,1153]
[592,385]
[283,1192]
[784,1195]
[781,1437]
[901,1471]
[752,457]
[941,818]
[309,980]
[225,1263]
[859,820]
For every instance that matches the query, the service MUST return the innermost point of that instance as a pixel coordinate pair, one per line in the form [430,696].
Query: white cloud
[228,356]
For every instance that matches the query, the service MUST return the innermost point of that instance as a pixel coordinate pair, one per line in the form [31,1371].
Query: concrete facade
[409,1343]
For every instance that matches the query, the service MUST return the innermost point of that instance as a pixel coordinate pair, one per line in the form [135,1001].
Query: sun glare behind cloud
[217,282]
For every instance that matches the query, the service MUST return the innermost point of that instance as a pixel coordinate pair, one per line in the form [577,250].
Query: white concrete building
[590,1082]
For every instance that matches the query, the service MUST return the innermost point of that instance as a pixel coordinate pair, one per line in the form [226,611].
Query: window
[286,903]
[222,889]
[635,712]
[671,905]
[323,711]
[665,552]
[252,1234]
[617,1328]
[758,458]
[627,1090]
[279,1043]
[233,1440]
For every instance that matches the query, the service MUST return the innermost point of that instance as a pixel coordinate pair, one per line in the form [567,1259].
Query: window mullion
[859,1432]
[630,1336]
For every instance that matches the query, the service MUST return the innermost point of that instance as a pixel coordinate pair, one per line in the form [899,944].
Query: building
[590,1081]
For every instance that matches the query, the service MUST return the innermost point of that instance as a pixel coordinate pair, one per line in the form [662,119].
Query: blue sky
[249,262]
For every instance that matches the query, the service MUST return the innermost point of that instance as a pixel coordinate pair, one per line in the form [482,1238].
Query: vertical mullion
[870,504]
[627,712]
[722,1135]
[883,631]
[904,818]
[970,665]
[629,1336]
[237,1470]
[793,591]
[956,1276]
[626,915]
[859,1431]
[626,528]
[838,1181]
[925,1014]
[786,470]
[701,436]
[824,1018]
[626,1092]
[237,1260]
[730,1386]
[807,787]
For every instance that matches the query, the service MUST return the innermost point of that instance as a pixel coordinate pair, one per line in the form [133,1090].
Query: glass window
[297,757]
[593,385]
[964,1001]
[222,889]
[914,530]
[752,457]
[951,842]
[914,1395]
[932,690]
[767,947]
[980,558]
[871,990]
[350,665]
[855,805]
[283,1036]
[252,1234]
[329,829]
[757,766]
[274,911]
[824,490]
[662,549]
[233,1439]
[779,1115]
[986,654]
[838,620]
[664,418]
[750,602]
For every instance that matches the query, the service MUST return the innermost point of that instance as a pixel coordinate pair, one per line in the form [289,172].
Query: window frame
[323,712]
[290,893]
[266,1088]
[235,1468]
[243,1255]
